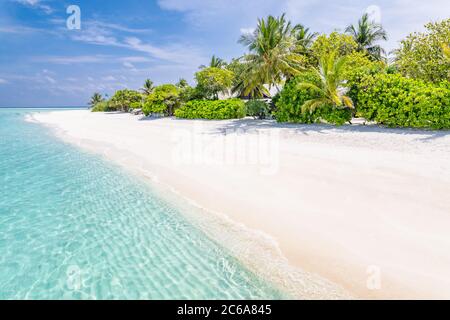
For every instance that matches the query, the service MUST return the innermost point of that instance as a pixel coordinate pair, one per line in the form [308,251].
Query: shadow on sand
[304,129]
[250,124]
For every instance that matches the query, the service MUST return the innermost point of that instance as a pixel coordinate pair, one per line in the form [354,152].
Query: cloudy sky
[121,43]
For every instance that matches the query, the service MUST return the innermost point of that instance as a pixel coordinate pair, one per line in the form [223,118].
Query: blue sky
[121,43]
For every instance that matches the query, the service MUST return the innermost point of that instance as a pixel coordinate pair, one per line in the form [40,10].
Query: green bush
[258,109]
[421,55]
[342,44]
[357,67]
[122,99]
[102,106]
[164,100]
[212,109]
[396,101]
[290,101]
[211,81]
[136,105]
[333,115]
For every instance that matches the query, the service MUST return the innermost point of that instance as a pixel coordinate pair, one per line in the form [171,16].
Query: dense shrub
[422,54]
[396,101]
[211,81]
[191,93]
[258,109]
[163,100]
[123,99]
[102,106]
[342,44]
[359,65]
[212,109]
[290,101]
[136,105]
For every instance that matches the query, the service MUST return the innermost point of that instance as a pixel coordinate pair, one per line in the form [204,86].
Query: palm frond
[366,33]
[309,86]
[348,102]
[313,104]
[273,52]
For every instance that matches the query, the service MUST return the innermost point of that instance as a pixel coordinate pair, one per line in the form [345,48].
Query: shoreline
[305,205]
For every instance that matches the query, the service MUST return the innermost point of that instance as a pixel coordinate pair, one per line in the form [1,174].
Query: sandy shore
[363,207]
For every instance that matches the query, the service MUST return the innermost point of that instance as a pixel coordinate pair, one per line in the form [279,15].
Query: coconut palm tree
[148,87]
[182,83]
[272,56]
[330,86]
[96,98]
[215,63]
[304,37]
[366,33]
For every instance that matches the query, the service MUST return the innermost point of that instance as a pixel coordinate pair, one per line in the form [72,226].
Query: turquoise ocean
[75,226]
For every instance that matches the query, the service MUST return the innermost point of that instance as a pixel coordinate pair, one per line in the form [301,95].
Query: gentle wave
[73,226]
[255,249]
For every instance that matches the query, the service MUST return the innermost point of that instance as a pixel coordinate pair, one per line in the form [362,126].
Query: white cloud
[109,78]
[105,34]
[85,59]
[71,59]
[50,79]
[102,33]
[114,26]
[3,81]
[399,17]
[223,14]
[29,2]
[136,59]
[37,4]
[98,34]
[95,36]
[17,29]
[129,65]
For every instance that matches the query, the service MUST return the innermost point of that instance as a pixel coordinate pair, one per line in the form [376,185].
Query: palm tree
[330,87]
[304,37]
[215,63]
[96,98]
[148,87]
[273,57]
[366,33]
[182,83]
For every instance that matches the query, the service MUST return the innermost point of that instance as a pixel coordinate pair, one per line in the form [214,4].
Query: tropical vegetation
[422,54]
[366,34]
[215,63]
[258,109]
[95,99]
[292,74]
[329,89]
[212,109]
[396,101]
[164,100]
[148,87]
[273,56]
[212,80]
[123,99]
[291,101]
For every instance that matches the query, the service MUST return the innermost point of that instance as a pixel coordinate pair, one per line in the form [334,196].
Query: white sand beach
[364,207]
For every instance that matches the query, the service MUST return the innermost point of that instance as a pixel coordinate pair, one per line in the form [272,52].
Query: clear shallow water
[73,226]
